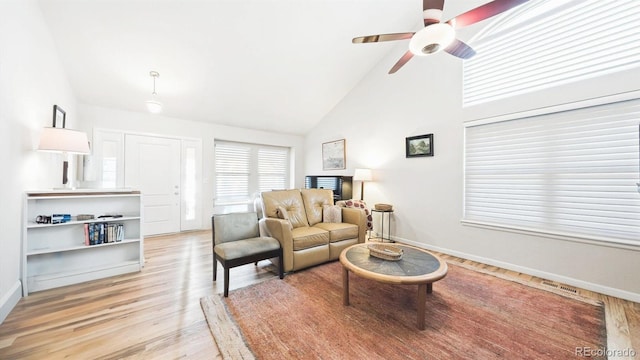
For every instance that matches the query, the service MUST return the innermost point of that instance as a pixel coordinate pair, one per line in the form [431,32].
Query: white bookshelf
[56,254]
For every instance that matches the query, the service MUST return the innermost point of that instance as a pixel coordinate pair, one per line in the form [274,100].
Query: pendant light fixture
[154,106]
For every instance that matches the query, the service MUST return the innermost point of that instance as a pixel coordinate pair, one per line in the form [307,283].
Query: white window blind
[272,168]
[568,173]
[243,170]
[233,163]
[546,43]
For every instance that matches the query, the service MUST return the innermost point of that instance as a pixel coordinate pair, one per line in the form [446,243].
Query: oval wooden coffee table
[417,267]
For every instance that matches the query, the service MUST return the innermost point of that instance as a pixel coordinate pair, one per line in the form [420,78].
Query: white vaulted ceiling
[265,64]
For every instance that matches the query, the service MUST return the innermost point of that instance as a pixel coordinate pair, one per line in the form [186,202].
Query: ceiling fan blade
[432,11]
[382,37]
[460,49]
[484,12]
[403,60]
[432,4]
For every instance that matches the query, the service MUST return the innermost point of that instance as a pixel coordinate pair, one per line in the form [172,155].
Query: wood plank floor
[155,314]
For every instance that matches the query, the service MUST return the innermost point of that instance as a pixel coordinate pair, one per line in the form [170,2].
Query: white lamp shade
[362,175]
[64,140]
[432,39]
[154,107]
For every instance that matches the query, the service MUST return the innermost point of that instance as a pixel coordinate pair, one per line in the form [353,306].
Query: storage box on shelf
[56,254]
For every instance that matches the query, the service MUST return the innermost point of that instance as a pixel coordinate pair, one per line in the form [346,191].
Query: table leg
[422,299]
[345,286]
[429,288]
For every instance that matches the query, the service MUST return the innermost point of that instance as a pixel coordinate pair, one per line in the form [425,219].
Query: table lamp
[362,175]
[65,141]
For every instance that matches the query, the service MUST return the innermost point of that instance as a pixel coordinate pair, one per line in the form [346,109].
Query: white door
[152,164]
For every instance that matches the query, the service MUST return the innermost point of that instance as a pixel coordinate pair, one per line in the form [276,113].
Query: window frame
[245,202]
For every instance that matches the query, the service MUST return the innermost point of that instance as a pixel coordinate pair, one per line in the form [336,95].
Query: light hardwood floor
[155,314]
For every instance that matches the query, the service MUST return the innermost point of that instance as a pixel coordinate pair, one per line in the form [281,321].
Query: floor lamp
[65,141]
[362,175]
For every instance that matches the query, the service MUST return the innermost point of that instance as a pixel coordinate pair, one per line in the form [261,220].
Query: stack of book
[102,233]
[60,218]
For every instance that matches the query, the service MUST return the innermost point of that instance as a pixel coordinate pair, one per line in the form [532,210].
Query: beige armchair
[308,226]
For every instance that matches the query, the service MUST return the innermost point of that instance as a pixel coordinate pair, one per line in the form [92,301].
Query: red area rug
[470,315]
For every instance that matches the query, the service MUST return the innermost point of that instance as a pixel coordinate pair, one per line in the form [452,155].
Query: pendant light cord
[154,75]
[154,86]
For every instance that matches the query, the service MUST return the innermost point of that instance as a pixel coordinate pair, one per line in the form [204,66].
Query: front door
[152,165]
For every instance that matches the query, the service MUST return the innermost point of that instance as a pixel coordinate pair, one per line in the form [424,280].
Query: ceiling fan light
[432,39]
[154,106]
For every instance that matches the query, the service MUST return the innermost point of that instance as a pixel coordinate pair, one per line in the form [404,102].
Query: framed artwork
[421,145]
[333,155]
[59,117]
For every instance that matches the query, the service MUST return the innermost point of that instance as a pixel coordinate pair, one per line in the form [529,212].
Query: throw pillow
[281,212]
[331,214]
[359,204]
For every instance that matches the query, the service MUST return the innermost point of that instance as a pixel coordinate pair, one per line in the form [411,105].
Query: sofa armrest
[281,230]
[262,227]
[356,217]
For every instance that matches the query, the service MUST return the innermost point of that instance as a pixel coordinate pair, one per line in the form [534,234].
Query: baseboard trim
[9,301]
[622,294]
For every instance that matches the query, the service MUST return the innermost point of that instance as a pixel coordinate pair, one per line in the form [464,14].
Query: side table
[382,218]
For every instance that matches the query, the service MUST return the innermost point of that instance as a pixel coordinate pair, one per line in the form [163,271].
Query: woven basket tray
[383,207]
[385,252]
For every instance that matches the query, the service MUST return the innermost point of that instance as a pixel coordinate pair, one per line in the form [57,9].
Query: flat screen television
[341,185]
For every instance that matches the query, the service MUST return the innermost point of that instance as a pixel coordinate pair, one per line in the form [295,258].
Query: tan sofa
[295,218]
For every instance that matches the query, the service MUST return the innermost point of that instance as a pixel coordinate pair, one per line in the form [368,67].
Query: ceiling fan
[439,36]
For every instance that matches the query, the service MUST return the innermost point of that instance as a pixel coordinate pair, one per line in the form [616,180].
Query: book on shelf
[60,218]
[86,234]
[103,233]
[119,232]
[83,217]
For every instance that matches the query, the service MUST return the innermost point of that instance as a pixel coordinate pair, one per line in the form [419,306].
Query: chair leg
[226,282]
[215,267]
[280,266]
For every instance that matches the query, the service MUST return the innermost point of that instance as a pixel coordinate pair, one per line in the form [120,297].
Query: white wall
[104,118]
[427,193]
[31,82]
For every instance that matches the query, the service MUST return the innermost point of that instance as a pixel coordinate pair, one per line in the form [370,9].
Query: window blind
[233,162]
[547,43]
[571,172]
[244,169]
[272,168]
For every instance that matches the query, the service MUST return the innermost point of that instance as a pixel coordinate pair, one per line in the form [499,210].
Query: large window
[546,43]
[244,170]
[568,173]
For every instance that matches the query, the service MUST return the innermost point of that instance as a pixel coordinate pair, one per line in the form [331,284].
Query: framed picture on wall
[333,155]
[59,117]
[421,145]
